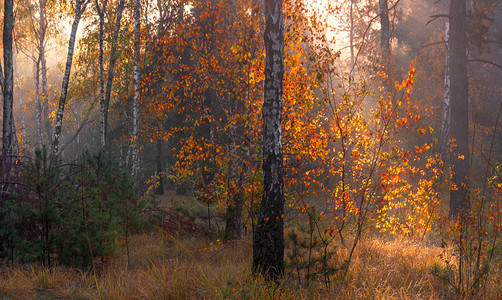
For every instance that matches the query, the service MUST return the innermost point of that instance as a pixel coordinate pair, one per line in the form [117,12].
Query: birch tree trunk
[79,10]
[268,239]
[38,101]
[109,82]
[101,14]
[459,130]
[444,140]
[40,69]
[137,93]
[43,69]
[8,120]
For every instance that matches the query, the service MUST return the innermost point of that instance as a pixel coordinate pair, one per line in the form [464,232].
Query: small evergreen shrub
[72,213]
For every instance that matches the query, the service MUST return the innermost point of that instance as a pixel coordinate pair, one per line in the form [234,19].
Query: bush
[70,213]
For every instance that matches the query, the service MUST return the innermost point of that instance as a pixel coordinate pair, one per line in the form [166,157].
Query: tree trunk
[23,122]
[79,10]
[38,108]
[457,51]
[43,69]
[160,189]
[137,93]
[109,82]
[233,215]
[268,239]
[385,43]
[101,14]
[351,34]
[444,140]
[8,120]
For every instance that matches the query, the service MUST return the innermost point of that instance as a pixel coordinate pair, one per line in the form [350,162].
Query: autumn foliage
[366,163]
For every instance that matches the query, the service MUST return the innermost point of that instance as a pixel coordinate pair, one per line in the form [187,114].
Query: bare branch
[81,126]
[435,17]
[485,61]
[434,43]
[364,35]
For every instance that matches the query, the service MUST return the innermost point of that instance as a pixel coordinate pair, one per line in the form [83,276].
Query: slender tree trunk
[109,82]
[459,130]
[385,29]
[39,111]
[444,140]
[23,119]
[137,92]
[351,34]
[101,14]
[268,239]
[45,99]
[233,215]
[79,10]
[389,91]
[385,43]
[8,120]
[160,189]
[43,69]
[233,226]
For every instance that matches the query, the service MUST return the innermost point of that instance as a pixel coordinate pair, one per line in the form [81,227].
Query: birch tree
[80,6]
[101,14]
[444,141]
[268,239]
[32,35]
[137,91]
[105,98]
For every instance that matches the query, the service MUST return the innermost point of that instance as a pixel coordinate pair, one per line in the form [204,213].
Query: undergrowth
[162,266]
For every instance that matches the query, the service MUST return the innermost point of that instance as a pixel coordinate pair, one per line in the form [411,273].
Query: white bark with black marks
[101,13]
[268,239]
[137,92]
[444,140]
[79,10]
[43,68]
[105,104]
[38,104]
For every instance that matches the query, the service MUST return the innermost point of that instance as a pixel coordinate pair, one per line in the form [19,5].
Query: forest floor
[162,266]
[180,261]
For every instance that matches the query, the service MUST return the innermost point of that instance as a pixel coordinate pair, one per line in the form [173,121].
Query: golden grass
[164,267]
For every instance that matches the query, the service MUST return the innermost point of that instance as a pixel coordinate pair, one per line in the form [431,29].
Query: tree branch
[434,43]
[82,125]
[364,35]
[435,17]
[485,61]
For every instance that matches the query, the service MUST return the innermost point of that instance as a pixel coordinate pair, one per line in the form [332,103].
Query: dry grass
[163,267]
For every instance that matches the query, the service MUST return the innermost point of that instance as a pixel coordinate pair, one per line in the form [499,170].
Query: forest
[248,149]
